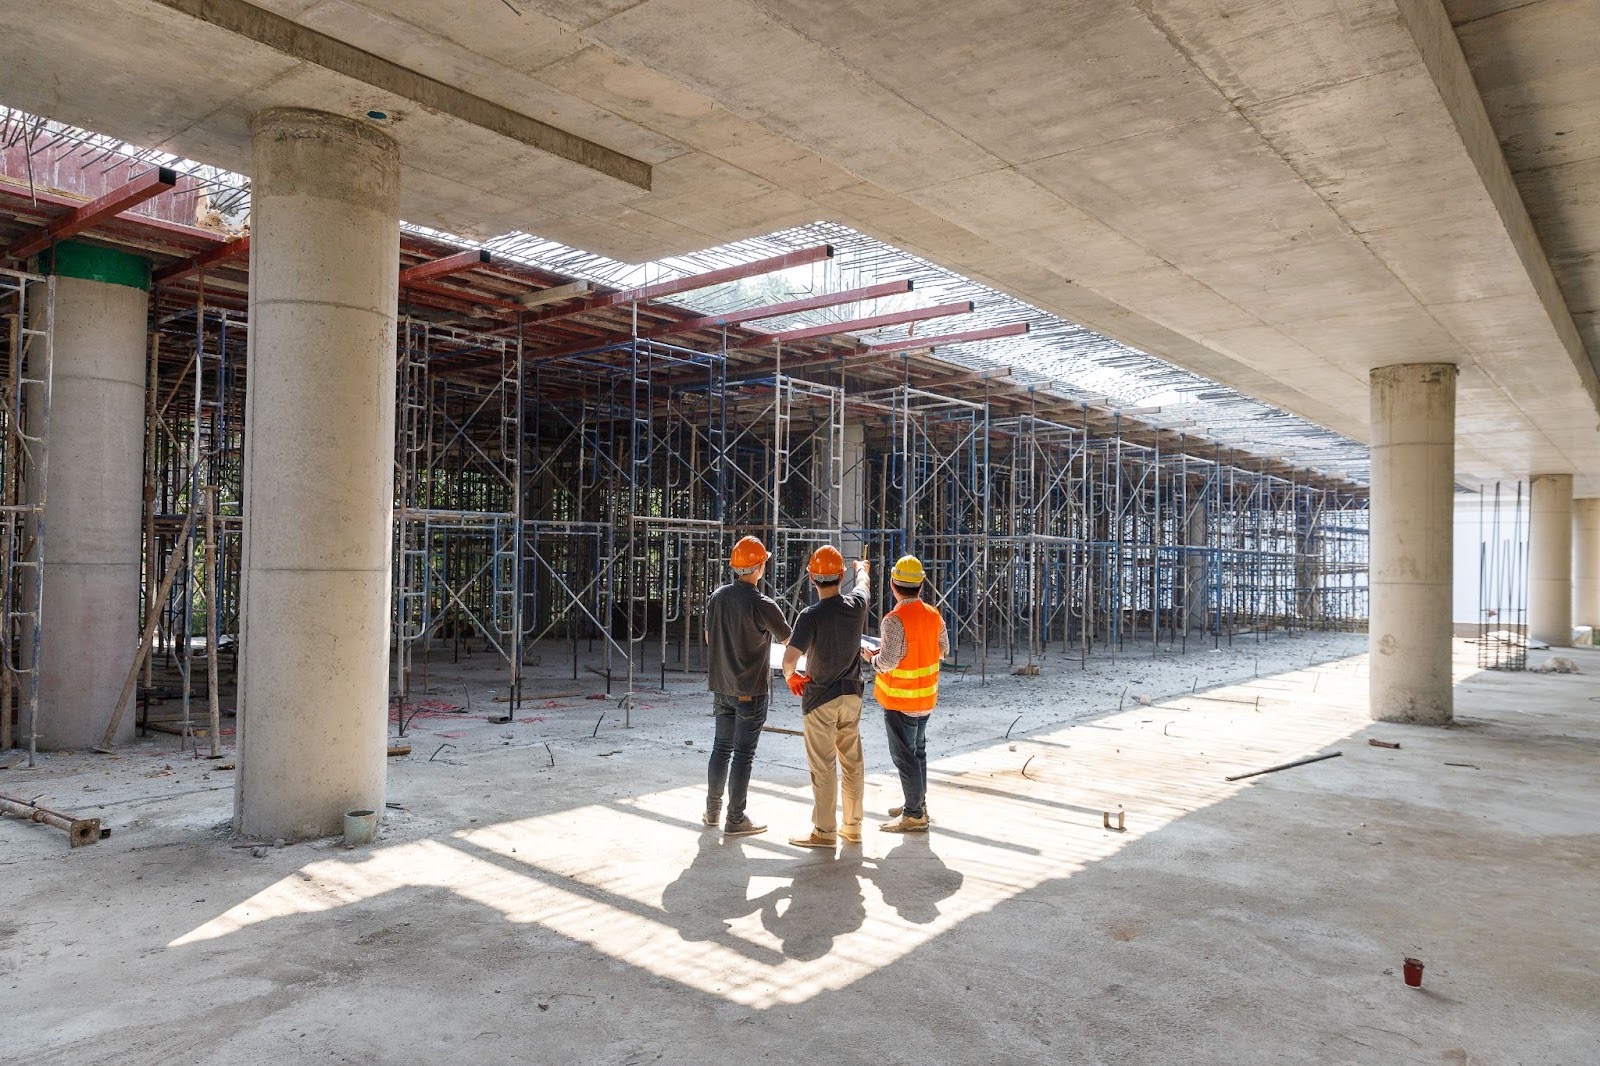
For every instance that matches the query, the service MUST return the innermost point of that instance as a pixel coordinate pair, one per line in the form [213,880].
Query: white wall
[1465,604]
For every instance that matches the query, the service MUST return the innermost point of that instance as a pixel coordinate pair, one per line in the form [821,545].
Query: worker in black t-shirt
[742,624]
[828,633]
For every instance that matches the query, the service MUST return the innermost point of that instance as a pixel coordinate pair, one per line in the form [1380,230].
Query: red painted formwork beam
[220,254]
[688,284]
[734,318]
[875,322]
[149,184]
[936,340]
[450,264]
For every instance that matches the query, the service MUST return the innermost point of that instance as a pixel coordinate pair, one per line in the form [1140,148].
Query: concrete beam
[307,45]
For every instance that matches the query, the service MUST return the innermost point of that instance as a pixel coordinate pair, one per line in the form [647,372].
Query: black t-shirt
[741,625]
[829,633]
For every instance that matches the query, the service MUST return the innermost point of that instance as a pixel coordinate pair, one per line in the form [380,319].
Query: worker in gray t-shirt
[741,626]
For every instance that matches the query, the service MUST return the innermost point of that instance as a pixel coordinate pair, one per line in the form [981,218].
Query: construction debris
[1376,743]
[1285,766]
[1557,664]
[80,831]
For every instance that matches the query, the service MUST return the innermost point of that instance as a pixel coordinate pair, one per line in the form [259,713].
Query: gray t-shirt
[741,625]
[829,633]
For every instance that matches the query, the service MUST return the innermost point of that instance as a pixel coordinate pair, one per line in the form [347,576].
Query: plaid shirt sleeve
[893,648]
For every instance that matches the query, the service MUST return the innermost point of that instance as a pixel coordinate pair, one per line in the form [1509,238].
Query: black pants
[739,725]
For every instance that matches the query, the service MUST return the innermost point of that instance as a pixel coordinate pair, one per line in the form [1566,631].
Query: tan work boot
[895,812]
[906,824]
[850,834]
[817,839]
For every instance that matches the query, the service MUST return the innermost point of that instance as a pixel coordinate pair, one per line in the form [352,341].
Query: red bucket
[1413,972]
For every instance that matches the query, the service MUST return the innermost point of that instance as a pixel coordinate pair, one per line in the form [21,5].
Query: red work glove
[797,683]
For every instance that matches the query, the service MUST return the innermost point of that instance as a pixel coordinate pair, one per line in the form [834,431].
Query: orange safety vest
[912,687]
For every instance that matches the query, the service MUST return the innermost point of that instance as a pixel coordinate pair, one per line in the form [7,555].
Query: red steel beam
[692,282]
[734,318]
[220,254]
[937,339]
[809,303]
[875,322]
[149,184]
[450,264]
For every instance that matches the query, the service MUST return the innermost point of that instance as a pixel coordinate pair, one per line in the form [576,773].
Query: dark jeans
[908,747]
[738,731]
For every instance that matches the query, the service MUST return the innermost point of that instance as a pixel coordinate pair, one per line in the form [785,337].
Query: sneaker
[744,827]
[712,816]
[815,840]
[850,835]
[906,824]
[895,812]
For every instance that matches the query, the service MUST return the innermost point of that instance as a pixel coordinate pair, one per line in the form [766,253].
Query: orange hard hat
[826,562]
[748,554]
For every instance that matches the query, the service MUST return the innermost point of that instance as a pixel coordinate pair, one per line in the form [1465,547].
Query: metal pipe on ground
[80,831]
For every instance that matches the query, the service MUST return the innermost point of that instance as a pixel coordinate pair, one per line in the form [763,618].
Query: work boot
[712,816]
[817,839]
[906,824]
[895,812]
[744,827]
[850,834]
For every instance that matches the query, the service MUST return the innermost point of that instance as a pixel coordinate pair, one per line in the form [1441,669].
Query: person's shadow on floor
[713,890]
[912,879]
[824,902]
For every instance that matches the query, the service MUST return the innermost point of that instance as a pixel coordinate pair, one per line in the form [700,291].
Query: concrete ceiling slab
[1276,196]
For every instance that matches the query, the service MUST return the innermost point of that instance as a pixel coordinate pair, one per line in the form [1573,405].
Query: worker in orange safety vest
[913,641]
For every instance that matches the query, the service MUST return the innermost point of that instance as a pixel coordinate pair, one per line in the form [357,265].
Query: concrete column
[1196,617]
[1586,563]
[1413,488]
[854,515]
[93,497]
[318,474]
[1550,559]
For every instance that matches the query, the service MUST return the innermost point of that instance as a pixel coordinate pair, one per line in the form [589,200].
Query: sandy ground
[544,893]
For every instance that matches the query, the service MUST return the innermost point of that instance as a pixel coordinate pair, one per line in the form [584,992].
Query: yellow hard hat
[907,571]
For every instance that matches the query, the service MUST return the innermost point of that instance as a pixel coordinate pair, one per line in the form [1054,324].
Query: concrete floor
[577,913]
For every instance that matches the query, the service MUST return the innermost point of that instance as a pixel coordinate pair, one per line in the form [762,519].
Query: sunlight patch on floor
[761,923]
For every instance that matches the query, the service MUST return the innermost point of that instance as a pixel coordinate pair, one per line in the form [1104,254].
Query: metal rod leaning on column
[152,433]
[11,492]
[145,641]
[211,619]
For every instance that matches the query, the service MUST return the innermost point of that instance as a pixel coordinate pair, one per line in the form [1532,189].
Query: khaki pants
[833,740]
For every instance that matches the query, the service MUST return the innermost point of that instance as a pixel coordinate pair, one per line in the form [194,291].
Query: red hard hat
[826,562]
[748,554]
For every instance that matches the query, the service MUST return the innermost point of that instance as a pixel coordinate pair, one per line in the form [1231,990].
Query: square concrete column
[1550,559]
[854,545]
[93,500]
[318,473]
[1586,563]
[1412,525]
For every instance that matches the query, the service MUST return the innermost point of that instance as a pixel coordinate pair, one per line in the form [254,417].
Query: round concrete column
[318,473]
[1586,562]
[1413,487]
[93,498]
[1550,559]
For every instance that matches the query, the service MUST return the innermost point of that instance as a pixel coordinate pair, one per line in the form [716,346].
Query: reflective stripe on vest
[913,685]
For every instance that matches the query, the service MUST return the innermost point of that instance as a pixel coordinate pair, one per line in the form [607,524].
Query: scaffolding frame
[27,338]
